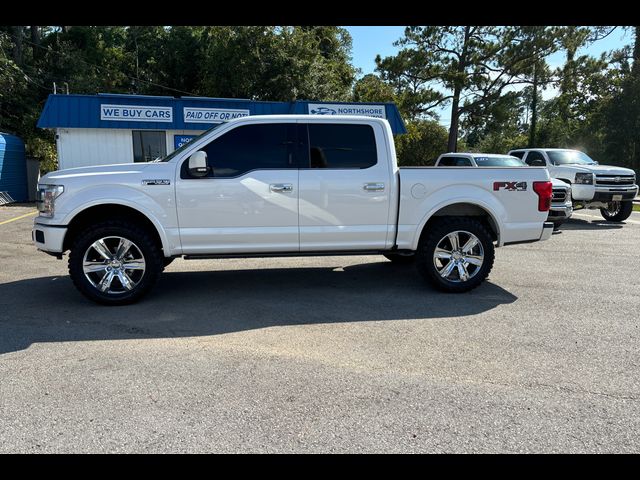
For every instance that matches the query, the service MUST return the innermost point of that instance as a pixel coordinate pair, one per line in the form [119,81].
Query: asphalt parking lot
[328,354]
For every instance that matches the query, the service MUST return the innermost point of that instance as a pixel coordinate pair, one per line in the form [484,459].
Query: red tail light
[544,191]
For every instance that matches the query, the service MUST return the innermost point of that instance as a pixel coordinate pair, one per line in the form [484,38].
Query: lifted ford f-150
[286,185]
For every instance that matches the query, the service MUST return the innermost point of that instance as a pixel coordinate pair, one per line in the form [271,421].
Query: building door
[248,203]
[148,145]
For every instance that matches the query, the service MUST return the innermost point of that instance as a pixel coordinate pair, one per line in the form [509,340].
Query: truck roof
[543,148]
[476,154]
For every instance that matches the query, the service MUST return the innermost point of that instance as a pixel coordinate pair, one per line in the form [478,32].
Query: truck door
[248,202]
[344,187]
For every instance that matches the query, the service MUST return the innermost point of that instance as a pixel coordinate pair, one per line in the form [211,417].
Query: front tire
[115,262]
[617,211]
[456,254]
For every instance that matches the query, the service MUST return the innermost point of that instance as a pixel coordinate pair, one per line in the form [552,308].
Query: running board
[209,256]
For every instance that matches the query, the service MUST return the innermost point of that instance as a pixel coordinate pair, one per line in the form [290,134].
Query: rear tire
[400,259]
[456,254]
[617,211]
[115,262]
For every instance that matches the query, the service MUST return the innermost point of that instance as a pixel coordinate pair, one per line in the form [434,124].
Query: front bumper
[596,193]
[48,238]
[559,212]
[620,193]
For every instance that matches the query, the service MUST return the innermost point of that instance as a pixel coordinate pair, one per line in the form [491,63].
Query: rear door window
[340,146]
[454,162]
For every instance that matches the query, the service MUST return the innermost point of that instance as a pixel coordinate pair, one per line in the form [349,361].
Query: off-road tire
[430,240]
[154,260]
[622,214]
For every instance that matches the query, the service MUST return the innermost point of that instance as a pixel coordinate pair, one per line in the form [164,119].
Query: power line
[104,69]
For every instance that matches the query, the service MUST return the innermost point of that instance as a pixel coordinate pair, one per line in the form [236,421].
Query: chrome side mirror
[198,164]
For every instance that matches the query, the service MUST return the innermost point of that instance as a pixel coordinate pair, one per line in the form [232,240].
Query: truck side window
[454,162]
[517,154]
[251,147]
[342,146]
[535,159]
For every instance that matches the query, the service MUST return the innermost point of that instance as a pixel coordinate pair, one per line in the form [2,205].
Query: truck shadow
[579,224]
[185,304]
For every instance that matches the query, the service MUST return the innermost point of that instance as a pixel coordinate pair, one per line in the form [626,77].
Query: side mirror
[198,164]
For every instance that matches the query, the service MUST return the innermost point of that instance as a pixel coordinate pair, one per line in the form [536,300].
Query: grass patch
[636,207]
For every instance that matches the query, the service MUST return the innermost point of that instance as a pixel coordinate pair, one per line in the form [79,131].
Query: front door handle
[281,187]
[374,187]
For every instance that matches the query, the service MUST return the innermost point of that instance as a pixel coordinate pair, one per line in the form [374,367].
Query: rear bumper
[48,238]
[547,230]
[545,234]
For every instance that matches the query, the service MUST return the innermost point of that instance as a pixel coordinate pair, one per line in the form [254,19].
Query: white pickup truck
[611,189]
[287,185]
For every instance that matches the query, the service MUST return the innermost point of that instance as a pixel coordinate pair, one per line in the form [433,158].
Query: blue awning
[188,113]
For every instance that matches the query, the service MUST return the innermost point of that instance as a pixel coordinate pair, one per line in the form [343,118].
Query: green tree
[371,88]
[471,65]
[424,141]
[621,140]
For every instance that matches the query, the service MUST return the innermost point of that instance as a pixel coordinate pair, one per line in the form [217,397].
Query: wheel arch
[460,209]
[106,211]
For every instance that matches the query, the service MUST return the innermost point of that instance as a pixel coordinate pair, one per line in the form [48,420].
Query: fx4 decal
[510,186]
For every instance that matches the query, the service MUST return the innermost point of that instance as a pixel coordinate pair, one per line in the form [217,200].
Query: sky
[373,40]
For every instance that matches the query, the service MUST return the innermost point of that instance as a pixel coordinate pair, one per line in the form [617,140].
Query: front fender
[159,208]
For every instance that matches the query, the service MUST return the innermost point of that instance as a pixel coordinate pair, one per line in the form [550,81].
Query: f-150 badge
[157,181]
[510,186]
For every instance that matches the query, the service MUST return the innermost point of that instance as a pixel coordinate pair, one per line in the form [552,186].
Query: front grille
[615,180]
[559,195]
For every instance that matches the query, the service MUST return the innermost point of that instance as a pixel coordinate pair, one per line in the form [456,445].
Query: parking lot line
[18,218]
[582,215]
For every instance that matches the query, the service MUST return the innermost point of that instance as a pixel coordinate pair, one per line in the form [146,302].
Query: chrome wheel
[458,256]
[113,265]
[613,208]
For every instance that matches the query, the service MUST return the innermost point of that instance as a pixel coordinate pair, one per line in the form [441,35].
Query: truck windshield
[569,157]
[487,161]
[178,151]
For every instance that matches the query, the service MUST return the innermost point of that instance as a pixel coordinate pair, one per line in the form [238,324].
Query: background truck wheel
[115,262]
[400,259]
[617,211]
[557,224]
[456,254]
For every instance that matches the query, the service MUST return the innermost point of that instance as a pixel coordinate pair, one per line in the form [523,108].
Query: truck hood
[600,169]
[559,183]
[61,176]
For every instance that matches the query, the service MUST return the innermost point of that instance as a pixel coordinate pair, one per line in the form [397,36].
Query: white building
[118,128]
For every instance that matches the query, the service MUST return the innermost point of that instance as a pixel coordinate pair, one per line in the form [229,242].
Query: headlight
[46,198]
[584,178]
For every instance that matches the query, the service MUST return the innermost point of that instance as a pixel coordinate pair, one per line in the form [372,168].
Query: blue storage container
[13,167]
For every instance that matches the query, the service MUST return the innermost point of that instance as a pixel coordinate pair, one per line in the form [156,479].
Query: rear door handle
[281,187]
[374,187]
